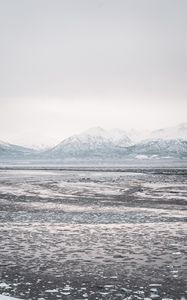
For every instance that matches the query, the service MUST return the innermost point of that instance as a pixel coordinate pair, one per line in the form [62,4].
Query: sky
[68,65]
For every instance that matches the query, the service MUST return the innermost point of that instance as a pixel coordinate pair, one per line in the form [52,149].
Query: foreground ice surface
[93,234]
[2,297]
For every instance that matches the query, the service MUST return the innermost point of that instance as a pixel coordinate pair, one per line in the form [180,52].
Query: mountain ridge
[115,144]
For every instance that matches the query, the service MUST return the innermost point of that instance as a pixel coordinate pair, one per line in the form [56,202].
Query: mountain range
[116,144]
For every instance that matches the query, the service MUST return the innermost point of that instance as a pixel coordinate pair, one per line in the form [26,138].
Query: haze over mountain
[175,132]
[10,151]
[100,144]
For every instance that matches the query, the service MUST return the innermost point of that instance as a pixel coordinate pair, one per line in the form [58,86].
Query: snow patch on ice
[2,297]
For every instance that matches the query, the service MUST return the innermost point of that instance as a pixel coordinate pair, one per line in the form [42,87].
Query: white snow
[93,138]
[175,132]
[52,291]
[4,285]
[2,297]
[141,156]
[4,144]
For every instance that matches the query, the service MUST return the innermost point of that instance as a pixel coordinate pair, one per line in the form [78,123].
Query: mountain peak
[98,142]
[175,132]
[95,131]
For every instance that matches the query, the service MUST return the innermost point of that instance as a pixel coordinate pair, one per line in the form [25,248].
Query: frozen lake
[93,233]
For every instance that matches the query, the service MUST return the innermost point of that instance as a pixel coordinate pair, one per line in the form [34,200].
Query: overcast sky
[67,65]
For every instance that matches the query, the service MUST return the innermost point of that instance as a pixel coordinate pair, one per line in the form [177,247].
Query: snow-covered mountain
[98,143]
[10,151]
[93,142]
[137,136]
[175,132]
[160,148]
